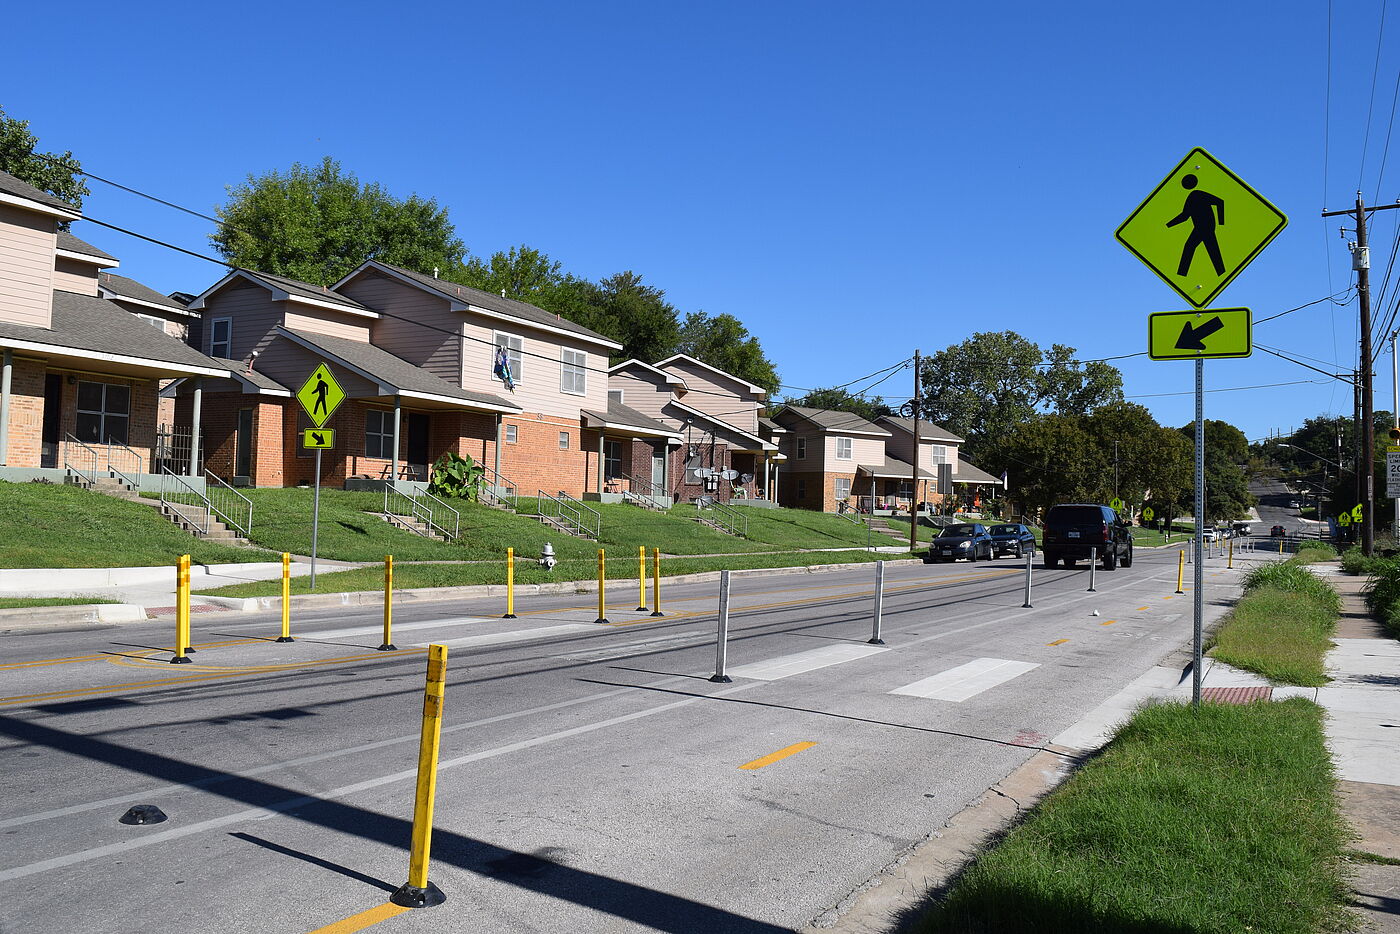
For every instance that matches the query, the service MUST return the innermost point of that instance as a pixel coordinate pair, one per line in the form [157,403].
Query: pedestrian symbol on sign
[1203,210]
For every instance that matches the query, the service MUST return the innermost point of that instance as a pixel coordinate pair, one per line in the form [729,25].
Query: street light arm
[1306,451]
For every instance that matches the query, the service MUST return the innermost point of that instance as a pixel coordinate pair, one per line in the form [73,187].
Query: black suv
[1070,531]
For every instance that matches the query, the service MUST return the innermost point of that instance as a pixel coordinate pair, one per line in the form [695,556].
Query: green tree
[722,341]
[1227,483]
[994,383]
[1052,459]
[316,223]
[841,400]
[58,174]
[635,315]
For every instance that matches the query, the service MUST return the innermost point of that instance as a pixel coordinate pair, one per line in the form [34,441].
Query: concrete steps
[556,525]
[414,525]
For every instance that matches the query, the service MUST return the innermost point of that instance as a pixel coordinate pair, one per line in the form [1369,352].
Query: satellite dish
[729,474]
[704,471]
[746,478]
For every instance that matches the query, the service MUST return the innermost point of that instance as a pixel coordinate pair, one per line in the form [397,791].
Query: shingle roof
[967,473]
[306,290]
[13,186]
[829,420]
[66,241]
[260,380]
[82,322]
[894,468]
[394,371]
[770,424]
[619,414]
[122,287]
[524,311]
[928,431]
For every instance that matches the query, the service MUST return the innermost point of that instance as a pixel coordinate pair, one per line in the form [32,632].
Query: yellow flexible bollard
[388,645]
[656,582]
[181,607]
[1280,546]
[510,584]
[602,576]
[1230,561]
[641,578]
[286,598]
[418,892]
[1180,569]
[185,603]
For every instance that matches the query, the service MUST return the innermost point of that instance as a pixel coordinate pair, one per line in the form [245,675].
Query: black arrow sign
[318,438]
[1190,338]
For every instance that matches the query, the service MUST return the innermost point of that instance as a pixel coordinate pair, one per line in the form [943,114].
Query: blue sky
[852,181]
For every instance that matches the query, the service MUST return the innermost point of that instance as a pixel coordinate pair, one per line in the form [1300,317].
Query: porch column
[6,369]
[394,461]
[775,483]
[602,444]
[194,426]
[497,468]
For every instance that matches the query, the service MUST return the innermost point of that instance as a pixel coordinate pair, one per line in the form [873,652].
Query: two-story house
[827,452]
[80,374]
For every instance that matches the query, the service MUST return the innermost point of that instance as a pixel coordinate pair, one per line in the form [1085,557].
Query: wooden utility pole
[918,453]
[1365,464]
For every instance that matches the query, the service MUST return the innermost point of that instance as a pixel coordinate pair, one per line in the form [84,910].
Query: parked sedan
[1014,540]
[1277,531]
[966,540]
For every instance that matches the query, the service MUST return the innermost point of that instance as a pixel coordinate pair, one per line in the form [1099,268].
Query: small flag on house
[1003,479]
[502,369]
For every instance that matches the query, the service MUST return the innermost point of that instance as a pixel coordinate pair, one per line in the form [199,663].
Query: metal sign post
[315,517]
[1198,569]
[319,396]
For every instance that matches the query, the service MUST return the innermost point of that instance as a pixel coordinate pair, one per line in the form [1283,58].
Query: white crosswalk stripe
[787,665]
[960,683]
[521,635]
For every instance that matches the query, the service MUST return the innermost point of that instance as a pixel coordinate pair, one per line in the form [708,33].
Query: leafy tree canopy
[58,174]
[722,341]
[842,400]
[317,223]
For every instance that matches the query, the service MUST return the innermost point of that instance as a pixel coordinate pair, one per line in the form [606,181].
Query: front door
[243,445]
[658,469]
[418,445]
[53,420]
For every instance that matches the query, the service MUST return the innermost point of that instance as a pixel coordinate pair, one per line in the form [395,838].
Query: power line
[1306,366]
[1192,392]
[1370,107]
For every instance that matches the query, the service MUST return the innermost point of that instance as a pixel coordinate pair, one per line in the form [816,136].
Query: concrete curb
[475,591]
[76,613]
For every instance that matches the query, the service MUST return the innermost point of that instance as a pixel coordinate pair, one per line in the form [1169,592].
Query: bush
[1310,551]
[1295,578]
[1354,562]
[1383,594]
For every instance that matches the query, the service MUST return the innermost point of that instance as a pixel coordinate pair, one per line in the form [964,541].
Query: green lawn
[10,603]
[1282,627]
[49,525]
[1220,819]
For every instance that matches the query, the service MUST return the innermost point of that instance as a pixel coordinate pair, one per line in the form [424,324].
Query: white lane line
[960,683]
[498,638]
[291,804]
[398,627]
[787,665]
[636,648]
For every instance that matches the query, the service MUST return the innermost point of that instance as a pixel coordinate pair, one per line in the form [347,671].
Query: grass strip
[1210,820]
[1282,627]
[12,603]
[528,571]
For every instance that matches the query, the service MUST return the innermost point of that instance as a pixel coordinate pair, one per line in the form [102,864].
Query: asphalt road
[1274,509]
[592,776]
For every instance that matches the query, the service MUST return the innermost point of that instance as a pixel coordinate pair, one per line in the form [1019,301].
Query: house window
[843,450]
[612,459]
[615,395]
[938,453]
[514,347]
[563,440]
[104,410]
[379,434]
[510,434]
[221,338]
[801,451]
[153,321]
[573,373]
[843,489]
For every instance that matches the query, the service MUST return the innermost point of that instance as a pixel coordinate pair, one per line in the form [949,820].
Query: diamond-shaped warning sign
[320,395]
[1200,227]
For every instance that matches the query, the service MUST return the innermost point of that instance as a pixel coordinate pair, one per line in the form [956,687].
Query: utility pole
[1365,465]
[918,453]
[1115,468]
[1394,428]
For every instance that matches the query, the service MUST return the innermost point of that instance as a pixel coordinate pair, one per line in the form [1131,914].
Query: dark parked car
[1075,530]
[1012,540]
[967,540]
[1277,531]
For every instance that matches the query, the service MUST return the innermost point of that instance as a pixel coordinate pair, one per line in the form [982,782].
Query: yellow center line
[1145,607]
[44,662]
[367,918]
[1058,642]
[777,756]
[1108,622]
[1168,597]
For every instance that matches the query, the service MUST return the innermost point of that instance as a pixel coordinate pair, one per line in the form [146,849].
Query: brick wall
[535,461]
[26,414]
[141,423]
[687,492]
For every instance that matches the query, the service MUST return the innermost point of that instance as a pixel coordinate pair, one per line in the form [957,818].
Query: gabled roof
[624,418]
[669,377]
[99,330]
[284,289]
[829,420]
[395,375]
[928,431]
[252,380]
[81,250]
[758,390]
[122,289]
[721,423]
[12,190]
[466,298]
[771,425]
[893,468]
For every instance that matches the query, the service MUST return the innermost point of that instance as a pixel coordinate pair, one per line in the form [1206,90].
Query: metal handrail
[570,512]
[437,515]
[733,521]
[491,490]
[68,466]
[226,502]
[642,489]
[118,473]
[842,510]
[170,503]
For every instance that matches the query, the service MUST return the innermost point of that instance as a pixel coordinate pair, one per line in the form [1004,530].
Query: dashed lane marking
[1058,642]
[778,756]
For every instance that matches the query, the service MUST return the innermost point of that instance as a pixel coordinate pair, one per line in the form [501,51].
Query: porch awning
[967,473]
[625,420]
[893,469]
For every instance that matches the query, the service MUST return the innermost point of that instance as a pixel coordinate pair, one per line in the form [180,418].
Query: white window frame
[843,449]
[843,483]
[573,371]
[938,454]
[154,321]
[512,435]
[615,395]
[515,355]
[564,442]
[385,434]
[802,449]
[226,343]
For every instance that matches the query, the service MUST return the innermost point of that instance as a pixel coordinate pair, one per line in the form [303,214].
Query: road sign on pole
[1197,335]
[1115,504]
[1200,227]
[320,395]
[312,438]
[1392,471]
[1147,514]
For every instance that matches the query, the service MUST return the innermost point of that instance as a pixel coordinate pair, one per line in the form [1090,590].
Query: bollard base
[509,616]
[411,896]
[721,679]
[388,647]
[603,620]
[641,609]
[284,639]
[1027,606]
[180,660]
[874,641]
[658,613]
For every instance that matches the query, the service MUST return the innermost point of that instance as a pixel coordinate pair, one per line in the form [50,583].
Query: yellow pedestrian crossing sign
[1200,227]
[1147,513]
[1115,504]
[1196,335]
[320,396]
[312,438]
